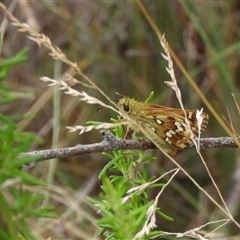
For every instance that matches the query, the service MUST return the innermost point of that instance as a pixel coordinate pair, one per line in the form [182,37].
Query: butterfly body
[166,126]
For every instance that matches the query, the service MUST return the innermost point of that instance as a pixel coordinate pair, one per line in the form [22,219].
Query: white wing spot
[158,121]
[168,134]
[167,140]
[190,114]
[172,132]
[179,127]
[153,129]
[150,127]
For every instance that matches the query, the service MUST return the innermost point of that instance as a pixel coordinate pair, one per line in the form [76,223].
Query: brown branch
[111,143]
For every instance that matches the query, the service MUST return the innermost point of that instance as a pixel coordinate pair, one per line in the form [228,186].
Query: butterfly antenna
[119,94]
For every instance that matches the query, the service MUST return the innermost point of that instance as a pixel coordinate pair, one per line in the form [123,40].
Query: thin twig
[111,143]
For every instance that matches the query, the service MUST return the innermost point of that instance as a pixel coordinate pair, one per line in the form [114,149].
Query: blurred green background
[114,45]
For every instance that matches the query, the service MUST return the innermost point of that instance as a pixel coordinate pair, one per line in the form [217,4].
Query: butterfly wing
[170,124]
[165,126]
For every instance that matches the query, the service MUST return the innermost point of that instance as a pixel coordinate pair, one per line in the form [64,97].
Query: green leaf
[150,97]
[5,65]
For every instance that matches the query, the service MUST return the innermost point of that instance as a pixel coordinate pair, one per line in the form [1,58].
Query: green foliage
[126,170]
[6,95]
[17,203]
[5,65]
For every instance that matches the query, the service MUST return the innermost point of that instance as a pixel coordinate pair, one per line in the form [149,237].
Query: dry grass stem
[150,223]
[173,82]
[70,91]
[90,128]
[197,232]
[142,187]
[174,86]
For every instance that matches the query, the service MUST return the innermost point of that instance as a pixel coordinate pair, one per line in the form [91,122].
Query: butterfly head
[125,104]
[129,106]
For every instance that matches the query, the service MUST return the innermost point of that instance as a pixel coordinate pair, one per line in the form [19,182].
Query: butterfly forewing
[171,124]
[166,126]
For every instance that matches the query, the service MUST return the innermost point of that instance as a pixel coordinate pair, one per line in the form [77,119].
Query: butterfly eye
[126,107]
